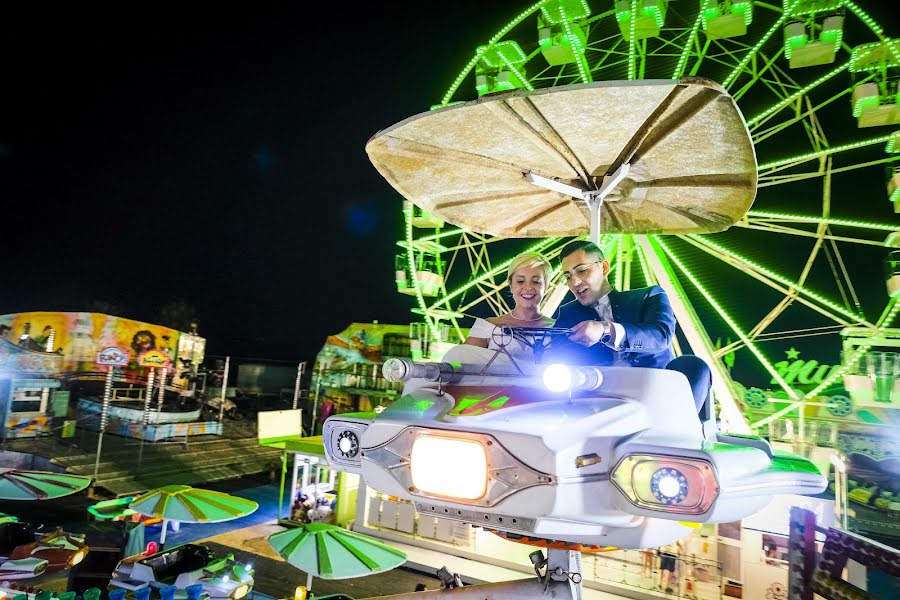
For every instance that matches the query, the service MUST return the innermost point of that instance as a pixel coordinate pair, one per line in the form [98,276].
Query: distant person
[5,332]
[40,342]
[528,275]
[629,328]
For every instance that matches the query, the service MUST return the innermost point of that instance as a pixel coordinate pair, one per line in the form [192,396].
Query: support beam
[696,335]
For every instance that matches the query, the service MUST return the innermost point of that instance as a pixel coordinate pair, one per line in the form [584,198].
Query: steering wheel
[536,338]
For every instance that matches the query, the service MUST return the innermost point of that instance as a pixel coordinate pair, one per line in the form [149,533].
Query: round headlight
[348,444]
[558,378]
[669,485]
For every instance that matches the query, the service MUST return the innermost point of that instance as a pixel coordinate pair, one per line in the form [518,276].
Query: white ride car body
[626,464]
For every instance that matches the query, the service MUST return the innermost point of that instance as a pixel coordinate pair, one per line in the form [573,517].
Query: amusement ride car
[186,566]
[25,553]
[564,457]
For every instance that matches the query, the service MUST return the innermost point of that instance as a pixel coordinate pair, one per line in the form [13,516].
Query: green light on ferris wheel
[761,214]
[778,277]
[828,151]
[555,12]
[725,317]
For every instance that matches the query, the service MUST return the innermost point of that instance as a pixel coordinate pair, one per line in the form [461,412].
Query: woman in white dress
[528,275]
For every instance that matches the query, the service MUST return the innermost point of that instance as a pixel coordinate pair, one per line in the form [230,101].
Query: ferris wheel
[817,82]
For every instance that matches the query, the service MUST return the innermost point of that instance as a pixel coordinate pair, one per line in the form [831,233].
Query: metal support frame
[593,198]
[561,579]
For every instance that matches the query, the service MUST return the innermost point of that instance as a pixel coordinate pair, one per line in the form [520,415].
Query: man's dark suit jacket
[649,324]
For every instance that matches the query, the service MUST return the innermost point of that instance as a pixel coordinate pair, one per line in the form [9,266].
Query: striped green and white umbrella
[18,484]
[191,505]
[331,552]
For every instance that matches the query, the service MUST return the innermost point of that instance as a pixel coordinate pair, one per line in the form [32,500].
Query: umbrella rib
[322,556]
[552,144]
[416,149]
[249,504]
[633,144]
[368,562]
[738,180]
[540,213]
[292,545]
[462,199]
[27,487]
[49,480]
[192,508]
[672,122]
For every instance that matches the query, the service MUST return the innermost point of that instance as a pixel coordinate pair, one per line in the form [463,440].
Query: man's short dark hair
[588,246]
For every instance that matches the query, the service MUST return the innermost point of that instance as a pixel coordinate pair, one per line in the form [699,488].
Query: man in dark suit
[609,327]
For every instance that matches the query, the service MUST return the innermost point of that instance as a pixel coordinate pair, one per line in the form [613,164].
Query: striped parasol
[191,505]
[18,484]
[331,552]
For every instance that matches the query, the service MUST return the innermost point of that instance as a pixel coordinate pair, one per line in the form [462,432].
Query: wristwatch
[607,333]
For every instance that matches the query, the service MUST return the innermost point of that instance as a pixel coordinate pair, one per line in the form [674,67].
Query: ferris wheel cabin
[876,68]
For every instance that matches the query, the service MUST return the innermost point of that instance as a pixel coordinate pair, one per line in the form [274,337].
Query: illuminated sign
[153,358]
[112,356]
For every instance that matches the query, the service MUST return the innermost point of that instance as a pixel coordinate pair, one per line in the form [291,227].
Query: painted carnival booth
[159,373]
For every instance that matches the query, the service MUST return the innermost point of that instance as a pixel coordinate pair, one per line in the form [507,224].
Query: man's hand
[588,333]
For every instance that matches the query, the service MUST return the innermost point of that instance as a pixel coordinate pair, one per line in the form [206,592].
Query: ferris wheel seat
[726,26]
[874,109]
[804,49]
[893,189]
[621,461]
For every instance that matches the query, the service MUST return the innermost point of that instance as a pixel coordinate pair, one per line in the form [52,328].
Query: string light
[830,221]
[575,43]
[828,151]
[682,60]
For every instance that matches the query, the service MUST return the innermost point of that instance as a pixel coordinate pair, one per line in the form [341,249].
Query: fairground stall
[152,368]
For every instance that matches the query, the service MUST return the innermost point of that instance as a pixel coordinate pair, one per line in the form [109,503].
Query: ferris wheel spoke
[767,113]
[793,161]
[489,274]
[763,216]
[783,179]
[809,112]
[771,278]
[685,53]
[758,77]
[723,314]
[782,230]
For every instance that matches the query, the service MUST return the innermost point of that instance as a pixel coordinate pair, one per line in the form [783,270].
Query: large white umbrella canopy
[689,162]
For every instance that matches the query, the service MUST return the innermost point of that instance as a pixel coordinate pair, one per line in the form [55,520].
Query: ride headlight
[449,467]
[561,378]
[77,558]
[240,592]
[459,466]
[667,483]
[558,378]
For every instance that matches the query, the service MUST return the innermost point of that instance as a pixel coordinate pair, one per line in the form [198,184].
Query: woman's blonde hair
[530,259]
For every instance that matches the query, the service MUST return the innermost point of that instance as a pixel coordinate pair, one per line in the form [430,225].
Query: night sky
[148,154]
[152,153]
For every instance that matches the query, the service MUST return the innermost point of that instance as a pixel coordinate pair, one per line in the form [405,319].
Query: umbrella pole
[162,536]
[104,416]
[148,395]
[281,491]
[309,582]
